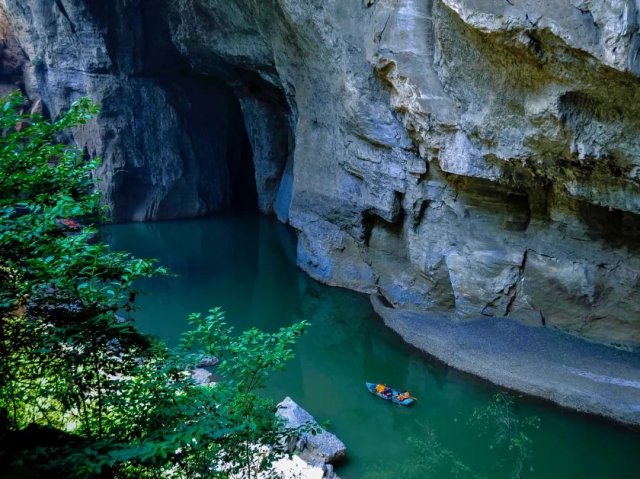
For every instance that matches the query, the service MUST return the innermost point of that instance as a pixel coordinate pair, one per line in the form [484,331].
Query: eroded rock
[467,156]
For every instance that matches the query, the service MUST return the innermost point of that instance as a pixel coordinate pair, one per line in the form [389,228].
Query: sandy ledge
[541,362]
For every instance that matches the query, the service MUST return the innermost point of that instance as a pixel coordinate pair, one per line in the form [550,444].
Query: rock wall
[477,156]
[159,117]
[12,60]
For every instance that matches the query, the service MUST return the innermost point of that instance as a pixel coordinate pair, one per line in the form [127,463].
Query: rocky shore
[313,454]
[542,362]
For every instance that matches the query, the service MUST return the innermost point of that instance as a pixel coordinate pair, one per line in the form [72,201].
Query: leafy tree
[82,392]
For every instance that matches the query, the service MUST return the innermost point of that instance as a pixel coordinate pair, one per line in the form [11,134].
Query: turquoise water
[246,264]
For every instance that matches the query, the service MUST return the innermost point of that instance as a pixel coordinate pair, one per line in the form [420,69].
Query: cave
[195,157]
[212,119]
[615,228]
[196,134]
[177,139]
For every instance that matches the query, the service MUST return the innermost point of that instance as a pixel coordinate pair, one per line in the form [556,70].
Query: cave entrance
[191,154]
[190,139]
[193,148]
[217,156]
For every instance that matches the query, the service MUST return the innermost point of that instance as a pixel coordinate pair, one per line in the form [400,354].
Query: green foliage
[82,392]
[59,336]
[226,426]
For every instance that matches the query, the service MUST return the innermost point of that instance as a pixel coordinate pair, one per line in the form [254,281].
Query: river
[246,265]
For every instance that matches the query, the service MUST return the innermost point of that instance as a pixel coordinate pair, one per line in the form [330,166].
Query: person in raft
[382,389]
[403,396]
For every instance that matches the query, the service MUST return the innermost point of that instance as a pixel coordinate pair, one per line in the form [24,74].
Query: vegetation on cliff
[82,392]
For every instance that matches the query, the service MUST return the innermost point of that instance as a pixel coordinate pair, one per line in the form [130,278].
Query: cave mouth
[188,151]
[243,193]
[214,148]
[204,137]
[616,228]
[213,120]
[208,138]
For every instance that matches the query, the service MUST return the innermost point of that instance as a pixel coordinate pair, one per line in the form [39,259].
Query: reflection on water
[246,264]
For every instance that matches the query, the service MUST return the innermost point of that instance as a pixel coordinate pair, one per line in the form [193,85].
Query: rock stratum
[480,157]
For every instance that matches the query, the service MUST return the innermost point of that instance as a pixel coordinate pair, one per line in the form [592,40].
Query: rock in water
[208,362]
[201,376]
[322,447]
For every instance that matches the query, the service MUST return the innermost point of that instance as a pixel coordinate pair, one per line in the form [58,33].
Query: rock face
[12,60]
[173,140]
[473,156]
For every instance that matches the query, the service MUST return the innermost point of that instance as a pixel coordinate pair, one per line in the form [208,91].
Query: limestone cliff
[481,156]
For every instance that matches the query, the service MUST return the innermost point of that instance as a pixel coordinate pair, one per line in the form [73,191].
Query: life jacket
[380,388]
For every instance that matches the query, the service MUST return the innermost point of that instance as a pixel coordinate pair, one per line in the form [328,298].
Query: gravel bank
[541,362]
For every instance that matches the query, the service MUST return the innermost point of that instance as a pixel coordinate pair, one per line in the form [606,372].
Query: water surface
[246,264]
